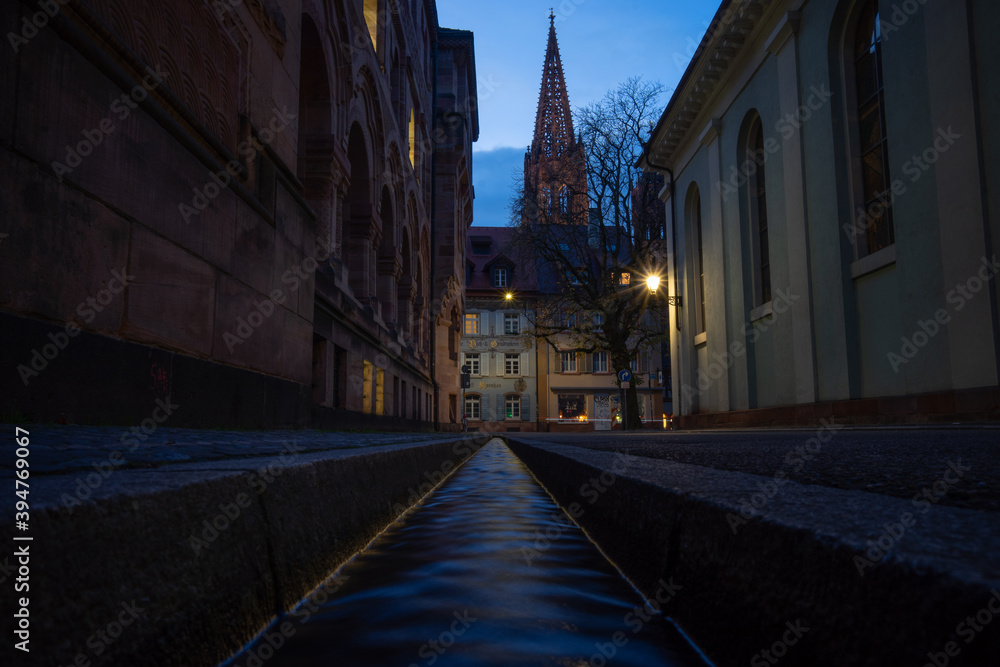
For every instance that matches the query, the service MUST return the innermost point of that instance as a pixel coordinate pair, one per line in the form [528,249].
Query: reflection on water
[468,578]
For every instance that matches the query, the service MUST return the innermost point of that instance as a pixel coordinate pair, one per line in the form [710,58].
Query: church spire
[553,121]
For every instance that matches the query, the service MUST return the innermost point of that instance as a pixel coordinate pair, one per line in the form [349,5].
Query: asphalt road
[964,463]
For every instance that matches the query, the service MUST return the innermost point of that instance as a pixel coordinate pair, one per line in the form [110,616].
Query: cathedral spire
[553,121]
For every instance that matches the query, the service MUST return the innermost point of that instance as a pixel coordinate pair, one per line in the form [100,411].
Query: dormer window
[480,248]
[501,277]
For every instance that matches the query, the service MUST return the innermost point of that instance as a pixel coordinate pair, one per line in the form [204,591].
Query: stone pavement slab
[57,449]
[898,462]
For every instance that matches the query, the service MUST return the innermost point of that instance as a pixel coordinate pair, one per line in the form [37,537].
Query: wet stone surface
[956,467]
[487,570]
[57,449]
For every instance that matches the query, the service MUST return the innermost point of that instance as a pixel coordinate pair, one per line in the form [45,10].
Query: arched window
[757,192]
[695,227]
[873,151]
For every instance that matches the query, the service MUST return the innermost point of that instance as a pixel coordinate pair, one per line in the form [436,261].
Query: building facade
[496,346]
[832,202]
[233,205]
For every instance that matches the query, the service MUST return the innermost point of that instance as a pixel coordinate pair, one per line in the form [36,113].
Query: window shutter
[588,363]
[524,364]
[525,407]
[501,408]
[484,408]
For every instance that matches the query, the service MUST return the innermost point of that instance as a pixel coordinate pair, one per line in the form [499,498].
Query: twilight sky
[602,43]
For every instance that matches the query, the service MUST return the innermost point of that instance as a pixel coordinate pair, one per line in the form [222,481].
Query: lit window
[472,407]
[625,278]
[572,406]
[600,362]
[511,324]
[512,364]
[472,324]
[568,362]
[499,277]
[512,406]
[472,361]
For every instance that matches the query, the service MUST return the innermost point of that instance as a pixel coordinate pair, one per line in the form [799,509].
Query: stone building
[832,212]
[256,209]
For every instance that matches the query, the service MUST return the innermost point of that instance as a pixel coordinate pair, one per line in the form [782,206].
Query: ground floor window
[472,405]
[512,406]
[572,406]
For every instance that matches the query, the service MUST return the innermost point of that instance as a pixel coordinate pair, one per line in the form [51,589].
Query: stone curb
[185,564]
[793,562]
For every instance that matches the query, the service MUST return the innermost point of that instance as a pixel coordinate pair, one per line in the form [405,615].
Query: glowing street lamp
[509,296]
[653,282]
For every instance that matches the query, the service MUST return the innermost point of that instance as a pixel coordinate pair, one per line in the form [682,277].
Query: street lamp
[653,282]
[509,296]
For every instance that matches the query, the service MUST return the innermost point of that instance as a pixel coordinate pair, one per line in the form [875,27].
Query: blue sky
[602,43]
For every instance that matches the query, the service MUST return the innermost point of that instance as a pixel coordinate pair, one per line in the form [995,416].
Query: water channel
[468,577]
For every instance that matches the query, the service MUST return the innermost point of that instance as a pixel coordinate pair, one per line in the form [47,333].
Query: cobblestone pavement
[900,462]
[59,449]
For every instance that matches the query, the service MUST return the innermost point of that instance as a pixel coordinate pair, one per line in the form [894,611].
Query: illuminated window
[472,324]
[573,406]
[366,388]
[379,391]
[413,139]
[371,19]
[625,278]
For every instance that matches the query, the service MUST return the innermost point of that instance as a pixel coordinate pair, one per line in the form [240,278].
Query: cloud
[494,175]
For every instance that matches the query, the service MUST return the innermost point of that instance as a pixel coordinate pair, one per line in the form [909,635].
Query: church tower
[555,176]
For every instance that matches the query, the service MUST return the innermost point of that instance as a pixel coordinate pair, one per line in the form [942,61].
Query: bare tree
[594,249]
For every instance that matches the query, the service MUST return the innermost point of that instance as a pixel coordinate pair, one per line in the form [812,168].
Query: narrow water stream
[463,579]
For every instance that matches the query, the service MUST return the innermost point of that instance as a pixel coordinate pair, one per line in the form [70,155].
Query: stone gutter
[185,564]
[874,579]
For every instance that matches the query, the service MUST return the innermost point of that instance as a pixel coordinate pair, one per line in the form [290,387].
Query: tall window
[472,361]
[512,406]
[756,186]
[499,277]
[600,362]
[472,405]
[568,362]
[511,324]
[512,364]
[694,221]
[472,324]
[875,181]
